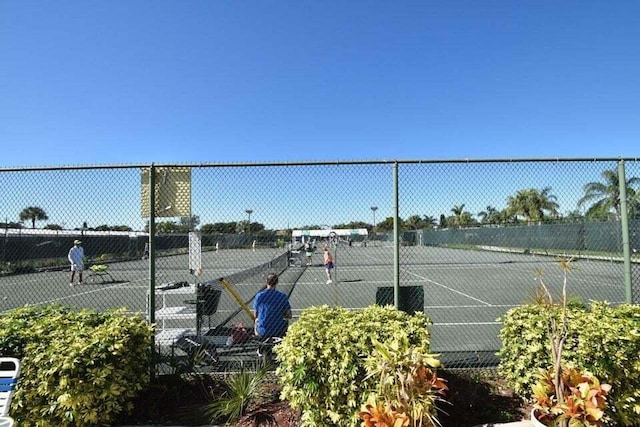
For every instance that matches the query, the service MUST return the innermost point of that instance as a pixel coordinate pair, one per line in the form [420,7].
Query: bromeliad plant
[565,396]
[408,387]
[375,413]
[584,398]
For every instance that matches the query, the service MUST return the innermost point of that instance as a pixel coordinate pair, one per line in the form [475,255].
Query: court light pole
[374,209]
[249,212]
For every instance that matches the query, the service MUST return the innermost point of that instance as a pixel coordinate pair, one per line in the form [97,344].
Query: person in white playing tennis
[76,258]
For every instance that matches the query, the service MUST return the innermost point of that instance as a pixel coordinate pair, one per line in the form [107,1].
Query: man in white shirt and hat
[76,258]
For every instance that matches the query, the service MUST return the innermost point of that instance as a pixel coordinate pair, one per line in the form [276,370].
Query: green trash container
[411,298]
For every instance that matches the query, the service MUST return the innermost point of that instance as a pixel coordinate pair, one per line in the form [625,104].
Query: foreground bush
[323,358]
[408,387]
[79,368]
[603,340]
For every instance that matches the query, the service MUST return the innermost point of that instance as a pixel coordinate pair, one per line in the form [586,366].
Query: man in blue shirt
[272,310]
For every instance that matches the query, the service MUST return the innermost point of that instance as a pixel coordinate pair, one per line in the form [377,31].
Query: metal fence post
[152,262]
[152,252]
[396,240]
[624,223]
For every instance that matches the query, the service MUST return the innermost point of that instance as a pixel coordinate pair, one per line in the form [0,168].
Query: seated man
[271,310]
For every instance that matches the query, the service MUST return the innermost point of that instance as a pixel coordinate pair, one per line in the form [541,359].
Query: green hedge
[603,339]
[79,368]
[322,358]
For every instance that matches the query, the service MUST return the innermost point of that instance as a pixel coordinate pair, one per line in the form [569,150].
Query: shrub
[603,340]
[323,356]
[408,387]
[78,367]
[608,346]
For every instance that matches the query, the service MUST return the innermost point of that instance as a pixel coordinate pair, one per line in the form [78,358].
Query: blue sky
[135,82]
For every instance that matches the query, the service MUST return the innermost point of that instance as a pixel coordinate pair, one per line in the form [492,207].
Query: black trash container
[208,300]
[411,298]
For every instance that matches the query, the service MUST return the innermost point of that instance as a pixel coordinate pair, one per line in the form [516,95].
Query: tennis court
[464,291]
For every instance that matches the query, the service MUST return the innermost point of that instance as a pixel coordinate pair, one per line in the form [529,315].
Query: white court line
[404,269]
[469,306]
[439,266]
[89,292]
[579,280]
[448,288]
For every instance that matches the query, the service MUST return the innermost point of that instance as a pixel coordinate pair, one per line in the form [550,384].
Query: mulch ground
[475,397]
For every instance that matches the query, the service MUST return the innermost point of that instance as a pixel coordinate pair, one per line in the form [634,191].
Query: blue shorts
[329,265]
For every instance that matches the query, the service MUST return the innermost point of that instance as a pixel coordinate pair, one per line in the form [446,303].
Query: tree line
[529,206]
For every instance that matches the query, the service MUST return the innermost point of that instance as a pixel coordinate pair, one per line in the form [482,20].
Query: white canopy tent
[351,233]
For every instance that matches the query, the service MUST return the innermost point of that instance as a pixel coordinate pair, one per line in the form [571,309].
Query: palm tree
[490,215]
[547,202]
[387,224]
[429,221]
[33,213]
[414,222]
[457,211]
[467,219]
[461,217]
[607,196]
[532,204]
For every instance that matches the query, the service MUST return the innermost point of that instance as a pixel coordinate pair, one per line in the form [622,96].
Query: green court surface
[465,292]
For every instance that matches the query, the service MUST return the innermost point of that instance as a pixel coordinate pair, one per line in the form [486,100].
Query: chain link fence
[461,240]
